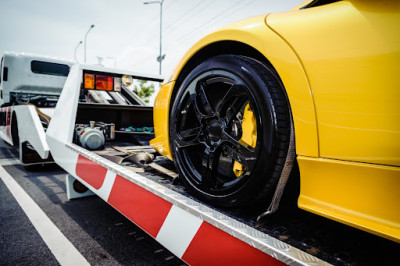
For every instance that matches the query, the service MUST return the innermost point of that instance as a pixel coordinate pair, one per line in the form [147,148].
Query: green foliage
[144,90]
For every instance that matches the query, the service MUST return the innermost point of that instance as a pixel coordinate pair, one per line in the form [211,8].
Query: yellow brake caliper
[249,136]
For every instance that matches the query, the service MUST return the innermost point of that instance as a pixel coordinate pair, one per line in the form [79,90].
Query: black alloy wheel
[229,130]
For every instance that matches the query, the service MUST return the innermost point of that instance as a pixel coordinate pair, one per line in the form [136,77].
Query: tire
[209,123]
[14,130]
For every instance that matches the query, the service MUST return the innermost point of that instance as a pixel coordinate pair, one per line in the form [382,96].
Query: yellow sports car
[319,86]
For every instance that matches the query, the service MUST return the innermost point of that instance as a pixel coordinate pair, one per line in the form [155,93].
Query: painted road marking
[59,245]
[9,161]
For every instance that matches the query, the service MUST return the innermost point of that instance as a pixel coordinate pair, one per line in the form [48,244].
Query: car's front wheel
[229,130]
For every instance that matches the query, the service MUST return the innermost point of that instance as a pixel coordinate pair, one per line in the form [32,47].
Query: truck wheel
[14,131]
[229,130]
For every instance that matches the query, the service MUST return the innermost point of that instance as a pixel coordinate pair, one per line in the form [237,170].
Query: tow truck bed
[192,230]
[304,238]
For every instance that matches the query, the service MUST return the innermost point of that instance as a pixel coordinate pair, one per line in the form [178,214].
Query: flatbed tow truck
[115,162]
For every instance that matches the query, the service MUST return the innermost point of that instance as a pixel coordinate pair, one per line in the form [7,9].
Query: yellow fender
[254,33]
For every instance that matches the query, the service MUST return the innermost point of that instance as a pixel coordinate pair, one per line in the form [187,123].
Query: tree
[144,90]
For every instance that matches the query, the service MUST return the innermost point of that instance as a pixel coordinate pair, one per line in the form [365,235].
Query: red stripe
[211,244]
[91,172]
[142,207]
[8,123]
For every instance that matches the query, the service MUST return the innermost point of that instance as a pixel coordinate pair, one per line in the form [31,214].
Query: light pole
[76,48]
[91,27]
[161,56]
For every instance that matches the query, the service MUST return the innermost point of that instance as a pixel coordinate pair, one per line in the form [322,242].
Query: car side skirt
[358,194]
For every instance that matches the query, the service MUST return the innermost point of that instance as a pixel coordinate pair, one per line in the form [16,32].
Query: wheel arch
[260,43]
[222,47]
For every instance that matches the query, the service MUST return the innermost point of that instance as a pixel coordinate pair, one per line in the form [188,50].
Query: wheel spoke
[181,138]
[237,92]
[184,111]
[210,164]
[199,114]
[188,133]
[241,154]
[204,100]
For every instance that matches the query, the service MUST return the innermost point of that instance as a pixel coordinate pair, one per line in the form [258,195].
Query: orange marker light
[89,81]
[104,83]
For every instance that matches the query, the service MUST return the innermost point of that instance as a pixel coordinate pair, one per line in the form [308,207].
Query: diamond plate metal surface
[261,241]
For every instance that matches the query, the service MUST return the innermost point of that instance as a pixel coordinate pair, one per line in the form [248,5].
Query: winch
[93,136]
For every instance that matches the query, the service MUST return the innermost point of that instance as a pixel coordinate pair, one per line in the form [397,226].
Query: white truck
[29,89]
[30,86]
[98,131]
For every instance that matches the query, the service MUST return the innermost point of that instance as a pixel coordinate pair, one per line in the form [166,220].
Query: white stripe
[8,161]
[62,249]
[105,190]
[178,230]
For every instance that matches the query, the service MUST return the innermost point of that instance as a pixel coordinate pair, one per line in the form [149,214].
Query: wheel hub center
[214,130]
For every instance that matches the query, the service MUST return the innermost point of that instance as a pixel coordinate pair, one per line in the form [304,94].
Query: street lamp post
[76,48]
[161,56]
[91,27]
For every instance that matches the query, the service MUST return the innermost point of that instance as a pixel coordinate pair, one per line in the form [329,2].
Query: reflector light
[117,84]
[104,83]
[79,187]
[89,81]
[127,80]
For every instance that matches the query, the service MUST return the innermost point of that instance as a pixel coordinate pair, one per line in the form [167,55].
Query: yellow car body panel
[338,63]
[351,54]
[252,32]
[161,120]
[365,196]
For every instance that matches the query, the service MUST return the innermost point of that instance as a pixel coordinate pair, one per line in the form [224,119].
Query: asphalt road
[101,234]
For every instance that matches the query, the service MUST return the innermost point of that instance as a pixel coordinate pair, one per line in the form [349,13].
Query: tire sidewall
[262,175]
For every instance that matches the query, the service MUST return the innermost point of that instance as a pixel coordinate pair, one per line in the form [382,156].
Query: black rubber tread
[14,130]
[281,104]
[273,87]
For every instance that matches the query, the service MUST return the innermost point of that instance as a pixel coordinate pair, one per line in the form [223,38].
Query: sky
[126,33]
